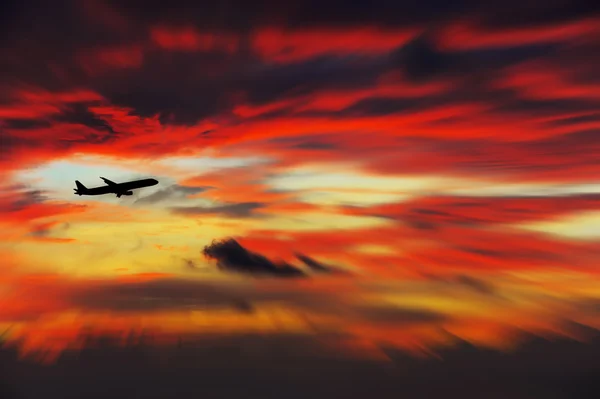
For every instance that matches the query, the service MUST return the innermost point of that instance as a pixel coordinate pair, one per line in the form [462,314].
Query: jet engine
[124,193]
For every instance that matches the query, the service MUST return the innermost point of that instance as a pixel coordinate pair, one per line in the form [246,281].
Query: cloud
[440,211]
[20,200]
[79,113]
[45,230]
[172,192]
[231,256]
[399,316]
[159,295]
[319,267]
[476,284]
[541,159]
[239,210]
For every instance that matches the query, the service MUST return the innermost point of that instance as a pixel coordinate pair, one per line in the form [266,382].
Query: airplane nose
[154,181]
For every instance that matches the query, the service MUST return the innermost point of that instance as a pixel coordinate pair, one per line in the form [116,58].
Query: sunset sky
[426,169]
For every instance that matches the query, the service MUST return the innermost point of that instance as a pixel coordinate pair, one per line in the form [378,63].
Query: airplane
[114,188]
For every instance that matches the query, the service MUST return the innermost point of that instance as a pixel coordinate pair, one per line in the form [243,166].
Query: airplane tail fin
[81,189]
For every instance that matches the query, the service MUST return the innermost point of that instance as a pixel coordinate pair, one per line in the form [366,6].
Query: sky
[414,174]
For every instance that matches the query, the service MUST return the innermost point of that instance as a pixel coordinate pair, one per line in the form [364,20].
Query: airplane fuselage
[115,188]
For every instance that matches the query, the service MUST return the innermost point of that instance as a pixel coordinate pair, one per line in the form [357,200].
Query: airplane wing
[109,182]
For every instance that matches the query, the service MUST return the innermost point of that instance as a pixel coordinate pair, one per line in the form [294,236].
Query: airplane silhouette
[114,188]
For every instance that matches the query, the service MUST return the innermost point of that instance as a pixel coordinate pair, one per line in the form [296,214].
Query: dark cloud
[382,106]
[160,295]
[205,84]
[233,257]
[478,211]
[190,264]
[172,192]
[79,113]
[515,13]
[522,253]
[399,316]
[240,16]
[25,199]
[25,124]
[326,72]
[45,230]
[571,156]
[183,88]
[476,284]
[547,107]
[421,59]
[319,267]
[315,142]
[574,120]
[237,210]
[315,145]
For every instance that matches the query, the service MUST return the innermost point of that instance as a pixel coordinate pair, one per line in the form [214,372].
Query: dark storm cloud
[181,88]
[79,113]
[327,72]
[184,88]
[233,257]
[236,210]
[319,267]
[421,60]
[201,85]
[172,192]
[42,39]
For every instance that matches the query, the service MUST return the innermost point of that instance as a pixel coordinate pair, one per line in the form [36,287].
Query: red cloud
[485,210]
[472,35]
[190,39]
[294,45]
[103,59]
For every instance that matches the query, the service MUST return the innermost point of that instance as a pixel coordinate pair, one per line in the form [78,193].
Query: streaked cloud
[445,154]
